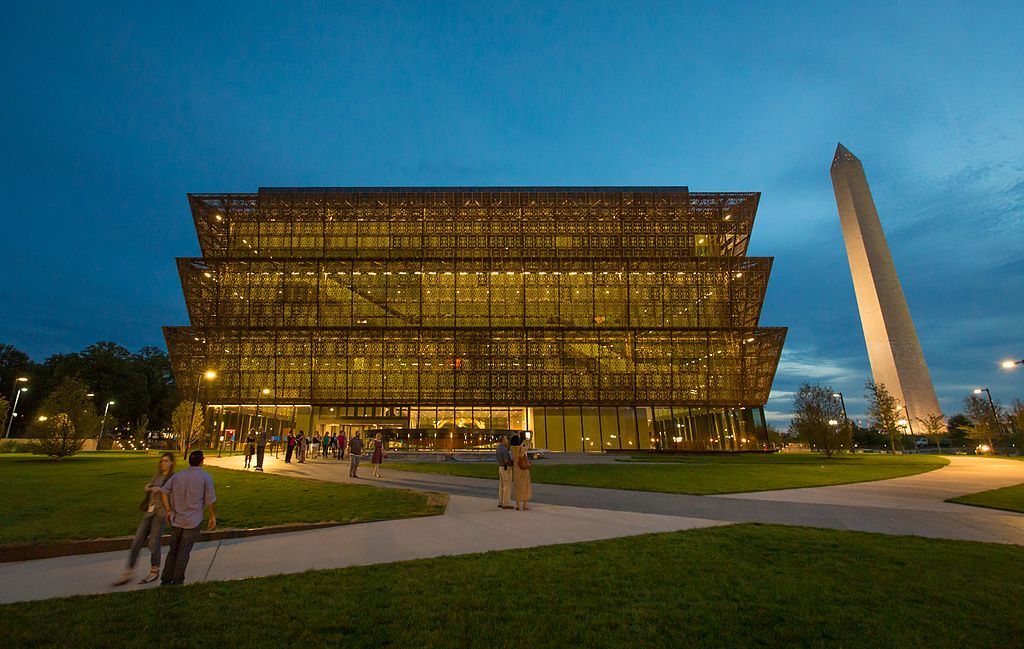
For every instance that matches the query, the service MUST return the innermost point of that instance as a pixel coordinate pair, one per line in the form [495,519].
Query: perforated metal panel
[477,297]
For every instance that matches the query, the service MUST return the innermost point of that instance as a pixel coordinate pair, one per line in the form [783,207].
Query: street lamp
[103,423]
[14,410]
[995,417]
[1010,364]
[209,375]
[842,403]
[264,392]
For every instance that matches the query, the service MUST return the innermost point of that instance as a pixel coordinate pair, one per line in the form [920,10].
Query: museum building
[596,318]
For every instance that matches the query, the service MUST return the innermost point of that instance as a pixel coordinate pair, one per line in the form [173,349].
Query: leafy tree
[110,372]
[65,420]
[958,426]
[13,364]
[813,408]
[163,393]
[189,433]
[986,424]
[5,409]
[773,435]
[1016,422]
[141,427]
[884,413]
[934,426]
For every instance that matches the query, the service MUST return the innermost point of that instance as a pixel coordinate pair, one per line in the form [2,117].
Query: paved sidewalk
[469,525]
[912,505]
[559,514]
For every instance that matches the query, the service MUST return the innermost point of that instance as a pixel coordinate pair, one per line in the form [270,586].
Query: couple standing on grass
[177,499]
[514,472]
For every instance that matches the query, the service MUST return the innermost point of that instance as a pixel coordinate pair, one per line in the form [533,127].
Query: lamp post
[995,417]
[14,409]
[209,375]
[1011,364]
[842,403]
[103,423]
[846,420]
[264,392]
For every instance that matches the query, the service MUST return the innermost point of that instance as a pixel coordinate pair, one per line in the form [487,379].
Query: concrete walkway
[913,505]
[560,514]
[469,525]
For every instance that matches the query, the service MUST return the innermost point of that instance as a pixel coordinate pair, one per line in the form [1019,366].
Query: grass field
[709,474]
[737,586]
[1008,498]
[96,495]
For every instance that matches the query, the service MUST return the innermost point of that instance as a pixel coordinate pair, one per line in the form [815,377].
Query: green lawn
[96,495]
[709,474]
[1008,498]
[731,587]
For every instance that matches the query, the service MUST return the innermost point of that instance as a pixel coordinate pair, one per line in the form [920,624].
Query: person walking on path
[341,446]
[261,448]
[504,457]
[378,454]
[185,495]
[151,527]
[314,445]
[521,472]
[250,448]
[301,444]
[355,452]
[291,449]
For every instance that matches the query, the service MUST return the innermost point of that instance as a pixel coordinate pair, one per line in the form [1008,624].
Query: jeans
[260,450]
[151,528]
[354,466]
[178,553]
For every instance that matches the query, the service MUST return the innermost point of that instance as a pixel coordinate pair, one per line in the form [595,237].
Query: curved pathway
[560,514]
[912,505]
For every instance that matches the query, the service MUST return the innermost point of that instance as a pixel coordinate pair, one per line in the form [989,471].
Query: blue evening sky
[112,113]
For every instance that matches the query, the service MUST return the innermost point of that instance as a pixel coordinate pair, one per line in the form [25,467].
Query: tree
[986,424]
[958,426]
[773,435]
[884,413]
[934,426]
[189,435]
[141,427]
[813,408]
[65,420]
[1016,423]
[15,363]
[5,409]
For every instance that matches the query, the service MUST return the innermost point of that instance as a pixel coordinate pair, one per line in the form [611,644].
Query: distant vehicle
[922,442]
[983,449]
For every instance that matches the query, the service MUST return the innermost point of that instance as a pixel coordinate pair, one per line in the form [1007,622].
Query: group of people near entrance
[513,457]
[299,447]
[177,499]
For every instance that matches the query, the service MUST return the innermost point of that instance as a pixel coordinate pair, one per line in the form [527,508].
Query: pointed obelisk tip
[843,155]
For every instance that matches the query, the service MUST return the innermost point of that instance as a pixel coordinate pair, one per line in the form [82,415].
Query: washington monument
[893,349]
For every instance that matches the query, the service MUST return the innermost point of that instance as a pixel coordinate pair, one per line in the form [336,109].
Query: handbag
[144,505]
[523,462]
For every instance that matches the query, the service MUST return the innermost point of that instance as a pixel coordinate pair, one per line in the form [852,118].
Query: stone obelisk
[893,348]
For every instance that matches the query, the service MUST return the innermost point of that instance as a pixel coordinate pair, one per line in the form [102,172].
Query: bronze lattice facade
[596,318]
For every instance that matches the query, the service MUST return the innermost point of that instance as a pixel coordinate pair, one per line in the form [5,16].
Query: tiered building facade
[597,318]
